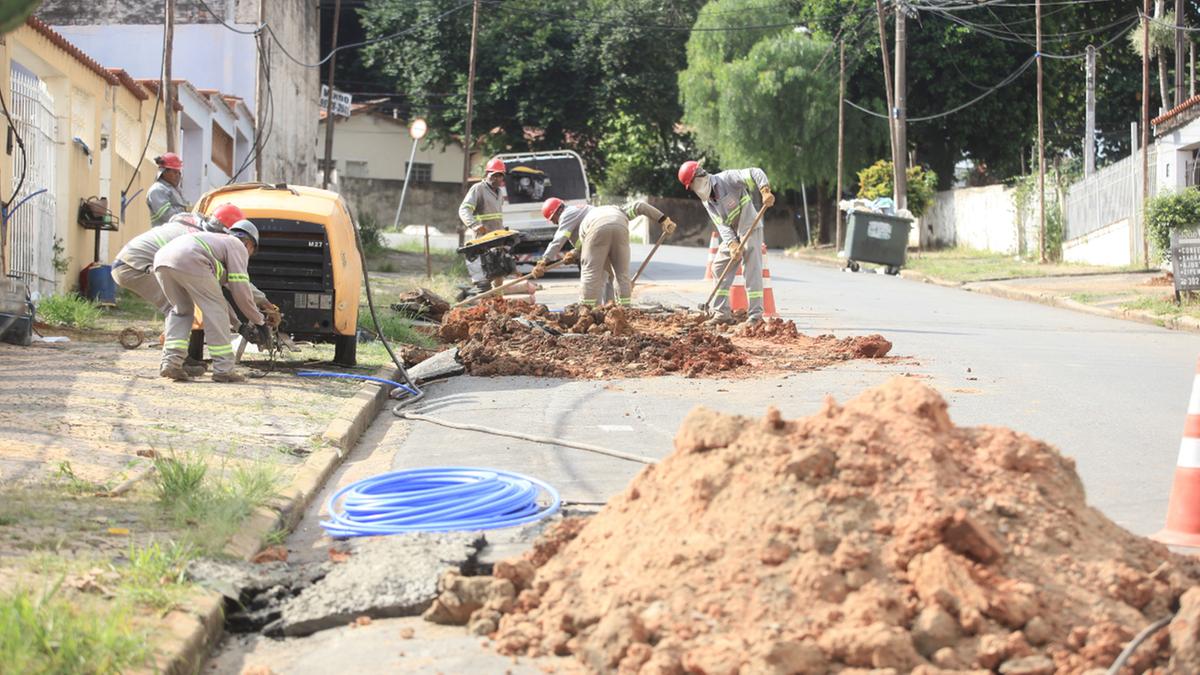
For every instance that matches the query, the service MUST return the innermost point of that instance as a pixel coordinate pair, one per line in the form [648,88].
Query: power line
[162,93]
[1005,82]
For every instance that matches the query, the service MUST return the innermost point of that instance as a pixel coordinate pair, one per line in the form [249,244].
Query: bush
[1167,212]
[68,310]
[371,234]
[875,181]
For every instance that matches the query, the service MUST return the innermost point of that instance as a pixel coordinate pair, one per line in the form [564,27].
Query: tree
[1162,44]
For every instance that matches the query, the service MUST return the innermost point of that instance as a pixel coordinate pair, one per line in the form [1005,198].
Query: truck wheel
[345,351]
[854,267]
[892,271]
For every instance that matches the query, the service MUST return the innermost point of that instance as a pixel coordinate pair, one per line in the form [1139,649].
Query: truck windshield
[534,179]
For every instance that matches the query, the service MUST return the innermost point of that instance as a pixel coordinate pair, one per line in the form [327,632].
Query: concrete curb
[194,628]
[1001,290]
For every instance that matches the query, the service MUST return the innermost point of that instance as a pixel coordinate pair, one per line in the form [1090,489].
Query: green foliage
[1162,36]
[68,309]
[211,505]
[179,477]
[642,158]
[1179,209]
[371,234]
[155,574]
[49,633]
[875,181]
[396,329]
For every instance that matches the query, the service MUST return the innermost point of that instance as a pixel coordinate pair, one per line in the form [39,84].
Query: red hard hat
[169,160]
[687,171]
[228,214]
[495,165]
[550,206]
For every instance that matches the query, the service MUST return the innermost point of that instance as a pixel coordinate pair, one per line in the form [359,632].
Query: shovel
[500,289]
[662,237]
[732,264]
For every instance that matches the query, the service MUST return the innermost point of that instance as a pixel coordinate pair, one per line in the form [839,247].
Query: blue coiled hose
[437,499]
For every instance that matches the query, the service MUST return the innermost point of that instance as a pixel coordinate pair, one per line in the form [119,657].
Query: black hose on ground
[1137,642]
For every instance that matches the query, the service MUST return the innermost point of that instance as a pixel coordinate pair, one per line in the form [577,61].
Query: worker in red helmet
[164,198]
[732,198]
[600,236]
[480,213]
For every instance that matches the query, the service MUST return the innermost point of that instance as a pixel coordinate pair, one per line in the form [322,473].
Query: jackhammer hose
[354,376]
[437,499]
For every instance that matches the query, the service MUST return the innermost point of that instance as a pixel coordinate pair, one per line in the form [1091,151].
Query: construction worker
[164,198]
[728,197]
[480,213]
[191,270]
[600,237]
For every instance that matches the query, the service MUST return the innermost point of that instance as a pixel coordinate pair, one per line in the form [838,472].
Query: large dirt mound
[503,337]
[871,535]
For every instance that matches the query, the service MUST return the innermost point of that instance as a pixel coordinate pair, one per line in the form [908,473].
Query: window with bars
[422,172]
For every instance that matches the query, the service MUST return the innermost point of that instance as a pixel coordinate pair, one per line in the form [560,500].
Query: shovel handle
[730,265]
[501,287]
[661,238]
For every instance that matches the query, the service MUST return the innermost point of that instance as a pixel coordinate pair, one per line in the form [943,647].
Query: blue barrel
[100,285]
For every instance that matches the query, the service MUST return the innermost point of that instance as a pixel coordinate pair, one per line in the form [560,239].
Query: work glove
[735,250]
[480,231]
[272,314]
[539,270]
[264,335]
[570,257]
[768,198]
[668,226]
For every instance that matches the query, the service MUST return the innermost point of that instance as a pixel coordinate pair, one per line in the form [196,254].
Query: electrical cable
[545,440]
[24,156]
[355,376]
[1141,637]
[267,114]
[438,499]
[1007,81]
[162,93]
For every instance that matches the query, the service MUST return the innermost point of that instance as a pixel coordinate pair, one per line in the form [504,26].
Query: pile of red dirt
[871,535]
[517,338]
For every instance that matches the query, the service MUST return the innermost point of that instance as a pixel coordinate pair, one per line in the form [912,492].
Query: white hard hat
[247,227]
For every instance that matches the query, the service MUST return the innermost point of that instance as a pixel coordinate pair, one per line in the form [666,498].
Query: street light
[417,130]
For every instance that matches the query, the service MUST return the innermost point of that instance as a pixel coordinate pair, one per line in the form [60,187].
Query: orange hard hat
[228,214]
[169,160]
[550,207]
[687,171]
[495,165]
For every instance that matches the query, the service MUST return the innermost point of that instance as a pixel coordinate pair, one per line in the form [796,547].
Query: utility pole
[887,79]
[337,14]
[1089,134]
[901,162]
[1191,69]
[467,141]
[1041,144]
[168,96]
[1179,47]
[838,233]
[1145,127]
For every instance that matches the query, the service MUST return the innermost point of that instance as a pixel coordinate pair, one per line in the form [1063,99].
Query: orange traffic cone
[713,244]
[738,300]
[1183,511]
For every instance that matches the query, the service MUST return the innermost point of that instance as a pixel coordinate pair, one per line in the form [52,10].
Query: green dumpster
[877,238]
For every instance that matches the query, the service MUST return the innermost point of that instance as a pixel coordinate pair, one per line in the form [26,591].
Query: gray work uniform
[480,208]
[165,202]
[191,270]
[605,235]
[734,202]
[133,267]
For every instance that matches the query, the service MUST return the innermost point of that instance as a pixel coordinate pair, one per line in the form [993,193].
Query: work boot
[174,373]
[230,376]
[720,320]
[753,320]
[195,368]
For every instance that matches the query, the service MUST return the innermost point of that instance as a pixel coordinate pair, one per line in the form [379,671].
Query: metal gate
[31,226]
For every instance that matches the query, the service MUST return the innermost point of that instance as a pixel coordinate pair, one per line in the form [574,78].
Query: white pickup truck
[530,179]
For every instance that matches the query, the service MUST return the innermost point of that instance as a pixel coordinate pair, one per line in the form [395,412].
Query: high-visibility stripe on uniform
[235,277]
[161,210]
[175,344]
[624,301]
[220,350]
[469,206]
[588,303]
[220,269]
[754,294]
[489,216]
[723,292]
[161,242]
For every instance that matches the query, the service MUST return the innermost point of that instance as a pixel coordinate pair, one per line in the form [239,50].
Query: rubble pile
[874,535]
[505,337]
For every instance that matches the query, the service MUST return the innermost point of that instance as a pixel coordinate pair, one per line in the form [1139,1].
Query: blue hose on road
[352,376]
[437,499]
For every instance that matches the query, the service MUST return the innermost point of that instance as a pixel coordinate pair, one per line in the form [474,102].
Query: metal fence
[1110,195]
[31,227]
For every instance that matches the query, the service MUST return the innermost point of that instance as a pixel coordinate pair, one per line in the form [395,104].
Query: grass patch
[68,310]
[396,329]
[967,265]
[1086,298]
[1166,306]
[48,633]
[155,575]
[74,484]
[210,506]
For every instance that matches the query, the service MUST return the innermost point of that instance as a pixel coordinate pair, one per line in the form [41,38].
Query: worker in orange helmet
[480,213]
[164,198]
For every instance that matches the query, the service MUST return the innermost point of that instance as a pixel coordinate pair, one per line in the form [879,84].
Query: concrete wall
[983,218]
[435,204]
[1107,246]
[384,144]
[1174,150]
[291,156]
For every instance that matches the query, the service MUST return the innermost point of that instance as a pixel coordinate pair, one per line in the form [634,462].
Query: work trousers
[605,248]
[752,266]
[143,283]
[185,292]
